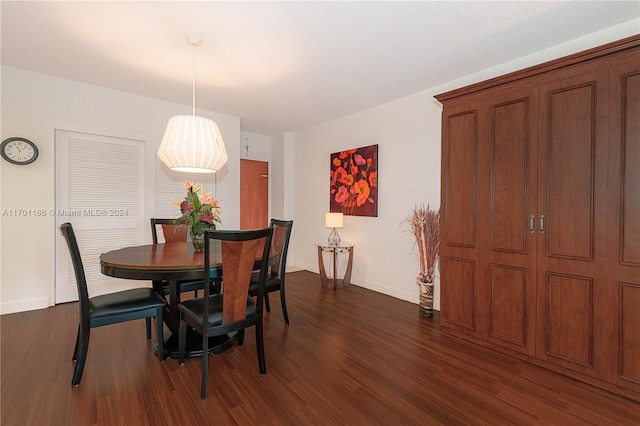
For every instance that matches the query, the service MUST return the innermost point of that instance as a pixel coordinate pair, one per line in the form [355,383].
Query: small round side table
[335,249]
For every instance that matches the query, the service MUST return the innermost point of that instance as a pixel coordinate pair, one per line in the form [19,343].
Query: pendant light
[192,143]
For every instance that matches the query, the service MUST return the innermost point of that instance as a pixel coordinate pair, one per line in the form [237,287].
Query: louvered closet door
[169,188]
[99,189]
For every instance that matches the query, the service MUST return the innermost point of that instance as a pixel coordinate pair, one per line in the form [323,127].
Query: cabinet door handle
[531,220]
[542,224]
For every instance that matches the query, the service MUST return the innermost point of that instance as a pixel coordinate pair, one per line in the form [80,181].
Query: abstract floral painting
[354,182]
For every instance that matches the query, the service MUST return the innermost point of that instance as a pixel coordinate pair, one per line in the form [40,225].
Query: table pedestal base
[217,344]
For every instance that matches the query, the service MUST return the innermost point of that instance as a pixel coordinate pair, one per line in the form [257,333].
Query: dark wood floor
[349,357]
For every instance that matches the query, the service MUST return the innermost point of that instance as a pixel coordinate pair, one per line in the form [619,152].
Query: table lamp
[334,220]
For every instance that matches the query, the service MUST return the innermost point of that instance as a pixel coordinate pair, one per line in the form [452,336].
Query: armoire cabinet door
[507,200]
[488,252]
[573,277]
[459,237]
[623,349]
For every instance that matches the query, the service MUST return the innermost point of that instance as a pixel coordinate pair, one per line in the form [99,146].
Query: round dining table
[172,262]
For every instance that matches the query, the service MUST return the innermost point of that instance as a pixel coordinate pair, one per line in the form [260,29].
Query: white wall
[259,146]
[33,105]
[407,132]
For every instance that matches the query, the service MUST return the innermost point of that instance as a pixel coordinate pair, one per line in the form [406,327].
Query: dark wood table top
[172,262]
[167,261]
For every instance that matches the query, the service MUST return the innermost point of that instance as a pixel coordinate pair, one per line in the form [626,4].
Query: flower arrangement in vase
[199,211]
[425,226]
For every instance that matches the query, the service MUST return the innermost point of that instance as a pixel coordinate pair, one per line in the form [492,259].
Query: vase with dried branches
[425,225]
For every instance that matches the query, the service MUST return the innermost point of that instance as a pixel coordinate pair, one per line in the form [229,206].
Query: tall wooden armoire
[540,252]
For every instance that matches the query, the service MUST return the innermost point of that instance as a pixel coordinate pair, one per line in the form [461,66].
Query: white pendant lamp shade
[192,144]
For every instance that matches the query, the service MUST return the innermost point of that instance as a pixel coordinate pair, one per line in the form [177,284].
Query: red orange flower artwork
[354,182]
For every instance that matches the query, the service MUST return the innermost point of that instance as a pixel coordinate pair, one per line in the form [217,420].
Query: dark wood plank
[349,357]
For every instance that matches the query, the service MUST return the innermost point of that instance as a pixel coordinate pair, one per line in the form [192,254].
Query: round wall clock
[19,151]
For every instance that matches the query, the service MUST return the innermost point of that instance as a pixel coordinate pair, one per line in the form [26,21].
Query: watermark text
[66,212]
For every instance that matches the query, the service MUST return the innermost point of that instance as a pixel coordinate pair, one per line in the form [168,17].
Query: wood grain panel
[508,306]
[570,173]
[461,179]
[630,232]
[238,258]
[630,332]
[509,167]
[459,291]
[569,318]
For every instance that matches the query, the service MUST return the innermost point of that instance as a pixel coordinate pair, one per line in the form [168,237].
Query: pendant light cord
[194,80]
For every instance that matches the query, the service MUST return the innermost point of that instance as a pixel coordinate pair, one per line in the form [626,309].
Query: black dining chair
[112,308]
[172,232]
[276,276]
[232,310]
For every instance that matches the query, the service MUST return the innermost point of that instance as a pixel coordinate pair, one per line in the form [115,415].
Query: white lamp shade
[333,220]
[192,144]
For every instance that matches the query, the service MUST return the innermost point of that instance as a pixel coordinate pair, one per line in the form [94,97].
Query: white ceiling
[288,66]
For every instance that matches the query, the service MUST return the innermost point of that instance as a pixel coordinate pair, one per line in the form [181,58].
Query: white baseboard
[389,291]
[24,305]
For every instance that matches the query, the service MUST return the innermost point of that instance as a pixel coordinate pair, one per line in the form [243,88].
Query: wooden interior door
[254,194]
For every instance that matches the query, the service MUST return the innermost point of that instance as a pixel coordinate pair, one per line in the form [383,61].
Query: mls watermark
[66,212]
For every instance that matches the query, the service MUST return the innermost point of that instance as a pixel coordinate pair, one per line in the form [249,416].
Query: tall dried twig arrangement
[425,225]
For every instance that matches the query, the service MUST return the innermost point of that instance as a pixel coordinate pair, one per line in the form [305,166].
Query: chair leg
[75,350]
[205,364]
[83,338]
[147,321]
[182,340]
[260,345]
[160,334]
[266,301]
[240,337]
[283,302]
